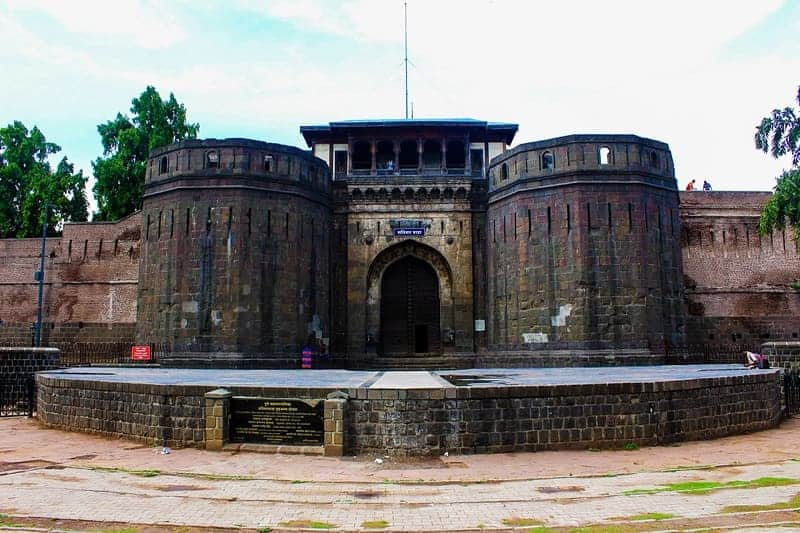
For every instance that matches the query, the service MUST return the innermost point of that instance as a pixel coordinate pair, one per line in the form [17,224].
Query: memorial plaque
[277,421]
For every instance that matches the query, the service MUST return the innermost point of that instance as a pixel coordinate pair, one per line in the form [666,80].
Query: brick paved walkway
[46,473]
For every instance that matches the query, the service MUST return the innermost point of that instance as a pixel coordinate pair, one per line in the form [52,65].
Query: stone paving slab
[484,377]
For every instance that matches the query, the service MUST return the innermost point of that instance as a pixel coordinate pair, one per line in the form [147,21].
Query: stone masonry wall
[584,255]
[235,257]
[500,419]
[165,416]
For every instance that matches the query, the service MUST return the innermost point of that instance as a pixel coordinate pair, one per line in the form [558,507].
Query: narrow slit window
[188,220]
[549,221]
[249,220]
[630,218]
[269,223]
[569,219]
[609,216]
[158,234]
[171,223]
[529,221]
[163,165]
[589,216]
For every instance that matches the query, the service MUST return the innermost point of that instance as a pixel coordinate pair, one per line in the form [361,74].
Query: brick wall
[91,276]
[737,281]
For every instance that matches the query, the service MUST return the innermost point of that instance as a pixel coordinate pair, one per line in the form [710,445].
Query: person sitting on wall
[706,185]
[756,360]
[690,185]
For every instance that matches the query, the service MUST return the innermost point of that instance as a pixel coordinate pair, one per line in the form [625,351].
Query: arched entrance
[409,301]
[410,308]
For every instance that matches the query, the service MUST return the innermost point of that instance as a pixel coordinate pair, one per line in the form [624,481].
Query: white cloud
[141,23]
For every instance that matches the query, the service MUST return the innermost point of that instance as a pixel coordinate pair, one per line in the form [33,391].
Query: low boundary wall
[433,420]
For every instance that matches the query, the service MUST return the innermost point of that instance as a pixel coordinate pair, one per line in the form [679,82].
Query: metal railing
[17,396]
[791,390]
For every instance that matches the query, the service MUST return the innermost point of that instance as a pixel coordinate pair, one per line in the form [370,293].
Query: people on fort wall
[706,185]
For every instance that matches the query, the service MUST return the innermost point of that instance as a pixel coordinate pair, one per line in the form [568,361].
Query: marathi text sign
[405,232]
[277,421]
[140,353]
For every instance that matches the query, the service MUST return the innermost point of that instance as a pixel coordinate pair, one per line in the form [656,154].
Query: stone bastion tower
[584,253]
[235,253]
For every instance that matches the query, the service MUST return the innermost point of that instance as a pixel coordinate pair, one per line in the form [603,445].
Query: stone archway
[403,316]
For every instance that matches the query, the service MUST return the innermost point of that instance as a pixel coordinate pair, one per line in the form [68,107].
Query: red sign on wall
[140,353]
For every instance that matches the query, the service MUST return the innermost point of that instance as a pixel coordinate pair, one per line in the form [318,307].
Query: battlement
[236,158]
[582,157]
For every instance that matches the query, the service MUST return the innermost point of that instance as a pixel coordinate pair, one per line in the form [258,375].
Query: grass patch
[308,524]
[601,529]
[593,450]
[298,481]
[123,530]
[705,487]
[375,524]
[791,504]
[264,530]
[630,447]
[650,516]
[141,473]
[520,522]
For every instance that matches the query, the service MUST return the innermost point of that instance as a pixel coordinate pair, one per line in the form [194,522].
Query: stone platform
[425,412]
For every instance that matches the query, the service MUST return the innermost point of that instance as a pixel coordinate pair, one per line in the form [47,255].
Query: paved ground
[68,481]
[483,377]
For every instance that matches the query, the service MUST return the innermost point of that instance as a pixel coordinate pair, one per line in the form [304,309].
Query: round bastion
[234,255]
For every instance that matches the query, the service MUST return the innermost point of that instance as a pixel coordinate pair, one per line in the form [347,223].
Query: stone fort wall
[235,250]
[736,283]
[584,247]
[91,278]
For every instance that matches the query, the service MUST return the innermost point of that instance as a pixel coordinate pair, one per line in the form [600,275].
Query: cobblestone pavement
[52,474]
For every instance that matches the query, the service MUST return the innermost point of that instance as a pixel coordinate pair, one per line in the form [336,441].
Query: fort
[413,244]
[435,273]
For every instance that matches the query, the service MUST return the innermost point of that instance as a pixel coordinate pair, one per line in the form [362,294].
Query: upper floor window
[603,155]
[654,160]
[268,163]
[212,160]
[548,161]
[163,165]
[504,172]
[362,155]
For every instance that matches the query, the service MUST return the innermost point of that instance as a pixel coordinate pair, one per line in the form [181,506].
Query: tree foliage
[27,182]
[127,142]
[779,135]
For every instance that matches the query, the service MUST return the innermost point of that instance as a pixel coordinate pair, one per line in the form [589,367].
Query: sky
[698,75]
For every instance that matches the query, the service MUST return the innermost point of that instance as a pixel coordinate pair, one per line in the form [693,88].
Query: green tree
[119,174]
[779,135]
[27,182]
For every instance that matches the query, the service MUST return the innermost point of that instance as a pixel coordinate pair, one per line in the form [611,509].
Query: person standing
[690,185]
[706,185]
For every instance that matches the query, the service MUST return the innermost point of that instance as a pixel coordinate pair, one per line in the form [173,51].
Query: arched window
[654,160]
[603,155]
[163,166]
[362,156]
[212,160]
[548,161]
[504,172]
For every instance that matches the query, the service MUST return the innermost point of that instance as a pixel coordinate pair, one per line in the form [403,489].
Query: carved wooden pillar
[467,156]
[396,146]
